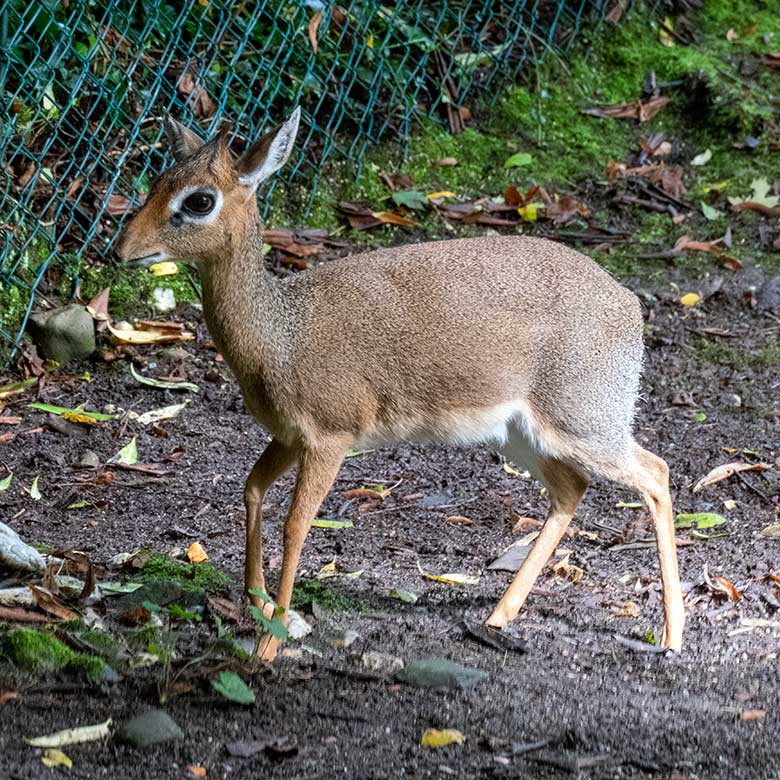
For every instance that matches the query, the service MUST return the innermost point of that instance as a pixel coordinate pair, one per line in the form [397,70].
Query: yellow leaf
[75,416]
[528,212]
[166,268]
[690,299]
[370,41]
[442,194]
[54,757]
[196,553]
[509,470]
[436,738]
[720,186]
[449,579]
[663,35]
[328,570]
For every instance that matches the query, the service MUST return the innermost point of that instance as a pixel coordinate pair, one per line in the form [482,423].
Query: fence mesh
[84,83]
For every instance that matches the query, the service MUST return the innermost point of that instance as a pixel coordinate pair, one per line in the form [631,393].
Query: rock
[149,728]
[381,663]
[439,673]
[345,638]
[17,597]
[511,559]
[163,299]
[89,460]
[63,334]
[16,554]
[769,297]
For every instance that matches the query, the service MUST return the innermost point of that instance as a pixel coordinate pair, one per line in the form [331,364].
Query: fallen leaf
[325,522]
[407,596]
[565,569]
[641,110]
[166,268]
[725,471]
[727,587]
[459,520]
[15,388]
[445,162]
[33,491]
[128,455]
[702,520]
[5,483]
[450,578]
[630,609]
[54,757]
[690,299]
[74,415]
[46,601]
[752,714]
[72,736]
[148,335]
[703,158]
[314,25]
[771,531]
[6,696]
[157,415]
[710,212]
[389,218]
[440,195]
[410,199]
[162,384]
[196,553]
[199,771]
[436,738]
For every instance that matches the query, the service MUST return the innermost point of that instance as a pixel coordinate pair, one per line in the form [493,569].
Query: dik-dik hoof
[268,648]
[497,620]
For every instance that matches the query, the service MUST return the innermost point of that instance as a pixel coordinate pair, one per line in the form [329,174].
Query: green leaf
[650,638]
[127,455]
[79,505]
[261,594]
[699,417]
[151,606]
[519,160]
[64,410]
[404,595]
[272,626]
[701,520]
[118,588]
[233,688]
[411,199]
[325,522]
[699,535]
[629,505]
[710,212]
[14,388]
[161,384]
[356,453]
[6,483]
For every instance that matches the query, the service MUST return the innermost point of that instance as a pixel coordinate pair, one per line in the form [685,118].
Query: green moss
[719,354]
[314,591]
[101,643]
[768,355]
[39,652]
[144,637]
[193,577]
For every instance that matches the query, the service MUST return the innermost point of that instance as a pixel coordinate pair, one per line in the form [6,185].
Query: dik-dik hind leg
[316,471]
[566,487]
[650,477]
[274,461]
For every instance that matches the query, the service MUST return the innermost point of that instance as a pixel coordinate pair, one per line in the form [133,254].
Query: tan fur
[516,339]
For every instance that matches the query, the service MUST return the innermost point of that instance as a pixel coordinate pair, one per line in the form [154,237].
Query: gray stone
[439,673]
[63,334]
[511,559]
[381,663]
[769,297]
[89,460]
[149,728]
[16,554]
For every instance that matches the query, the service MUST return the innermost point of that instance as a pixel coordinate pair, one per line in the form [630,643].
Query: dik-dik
[509,341]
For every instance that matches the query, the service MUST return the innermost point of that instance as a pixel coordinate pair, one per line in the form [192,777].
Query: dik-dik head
[207,198]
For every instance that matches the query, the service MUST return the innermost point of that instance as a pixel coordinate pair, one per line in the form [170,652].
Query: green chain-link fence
[83,84]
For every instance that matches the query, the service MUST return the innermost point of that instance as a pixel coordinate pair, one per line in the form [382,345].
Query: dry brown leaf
[6,696]
[98,306]
[445,162]
[46,601]
[725,586]
[752,714]
[20,615]
[565,569]
[630,609]
[149,335]
[761,208]
[198,98]
[771,61]
[687,244]
[314,25]
[524,523]
[641,110]
[225,608]
[390,218]
[459,520]
[719,473]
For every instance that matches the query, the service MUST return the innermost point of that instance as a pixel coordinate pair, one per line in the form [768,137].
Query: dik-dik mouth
[154,257]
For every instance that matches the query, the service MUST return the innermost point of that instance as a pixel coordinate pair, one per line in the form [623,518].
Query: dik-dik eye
[198,204]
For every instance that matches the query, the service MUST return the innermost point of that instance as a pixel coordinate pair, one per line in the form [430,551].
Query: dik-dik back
[519,342]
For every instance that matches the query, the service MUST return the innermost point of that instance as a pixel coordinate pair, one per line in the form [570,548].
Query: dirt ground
[602,709]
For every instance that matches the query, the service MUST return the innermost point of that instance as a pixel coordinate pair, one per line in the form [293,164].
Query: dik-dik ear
[182,141]
[269,154]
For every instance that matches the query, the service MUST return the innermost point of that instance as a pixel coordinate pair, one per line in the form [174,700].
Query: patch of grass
[40,652]
[314,591]
[193,577]
[723,355]
[768,355]
[144,637]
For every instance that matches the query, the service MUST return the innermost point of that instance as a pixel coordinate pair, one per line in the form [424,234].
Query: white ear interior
[278,152]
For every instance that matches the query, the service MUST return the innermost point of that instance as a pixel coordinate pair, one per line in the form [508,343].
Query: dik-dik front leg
[317,469]
[274,461]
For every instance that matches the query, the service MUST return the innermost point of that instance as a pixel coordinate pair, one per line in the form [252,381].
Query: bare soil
[606,710]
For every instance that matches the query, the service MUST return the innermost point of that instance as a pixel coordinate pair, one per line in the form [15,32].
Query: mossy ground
[326,596]
[193,577]
[40,652]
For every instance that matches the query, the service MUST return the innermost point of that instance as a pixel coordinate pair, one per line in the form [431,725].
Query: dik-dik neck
[243,304]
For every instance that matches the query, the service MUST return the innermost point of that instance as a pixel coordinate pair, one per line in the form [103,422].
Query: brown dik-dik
[519,342]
